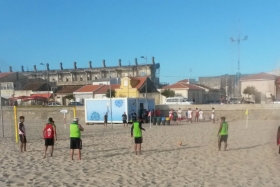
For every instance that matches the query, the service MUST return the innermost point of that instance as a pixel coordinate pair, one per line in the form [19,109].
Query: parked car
[54,104]
[277,101]
[215,102]
[178,100]
[234,101]
[75,104]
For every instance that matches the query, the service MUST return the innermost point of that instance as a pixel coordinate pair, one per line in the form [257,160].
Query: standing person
[49,134]
[105,119]
[75,138]
[124,118]
[170,114]
[213,115]
[144,116]
[200,114]
[179,114]
[278,138]
[133,116]
[136,132]
[223,133]
[196,115]
[22,134]
[190,115]
[174,118]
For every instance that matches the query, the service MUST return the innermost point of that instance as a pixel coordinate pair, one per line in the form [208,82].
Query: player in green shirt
[223,133]
[136,132]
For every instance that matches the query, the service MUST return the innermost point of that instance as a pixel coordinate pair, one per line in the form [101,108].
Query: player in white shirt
[179,114]
[190,115]
[213,115]
[200,114]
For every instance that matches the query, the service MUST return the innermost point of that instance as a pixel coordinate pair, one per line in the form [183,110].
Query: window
[125,83]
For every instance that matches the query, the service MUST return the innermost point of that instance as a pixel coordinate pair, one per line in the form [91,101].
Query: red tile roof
[104,88]
[141,81]
[259,76]
[180,85]
[5,74]
[68,89]
[89,88]
[42,95]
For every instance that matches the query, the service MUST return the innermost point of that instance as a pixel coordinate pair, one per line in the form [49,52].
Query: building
[137,87]
[211,95]
[265,85]
[66,91]
[107,81]
[228,83]
[85,92]
[85,76]
[186,90]
[10,82]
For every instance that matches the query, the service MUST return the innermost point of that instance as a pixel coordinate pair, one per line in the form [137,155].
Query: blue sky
[189,38]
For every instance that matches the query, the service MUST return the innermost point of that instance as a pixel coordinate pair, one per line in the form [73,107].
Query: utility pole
[145,57]
[1,109]
[238,40]
[47,70]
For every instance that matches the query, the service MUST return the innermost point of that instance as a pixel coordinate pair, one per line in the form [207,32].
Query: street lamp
[146,74]
[47,79]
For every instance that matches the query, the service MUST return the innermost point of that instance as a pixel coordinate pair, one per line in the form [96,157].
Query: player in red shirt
[49,134]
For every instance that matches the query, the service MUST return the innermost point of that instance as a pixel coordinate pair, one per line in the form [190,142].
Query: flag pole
[247,118]
[110,90]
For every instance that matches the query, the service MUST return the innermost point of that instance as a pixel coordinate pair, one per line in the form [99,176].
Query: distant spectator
[272,97]
[193,100]
[133,116]
[196,115]
[105,119]
[179,114]
[242,100]
[200,114]
[213,115]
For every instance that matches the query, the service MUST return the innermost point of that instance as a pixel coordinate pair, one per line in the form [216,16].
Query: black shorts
[223,138]
[49,141]
[22,138]
[75,143]
[138,140]
[124,121]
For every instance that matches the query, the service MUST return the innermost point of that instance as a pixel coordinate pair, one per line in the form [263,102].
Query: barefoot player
[136,132]
[75,138]
[223,133]
[49,134]
[22,135]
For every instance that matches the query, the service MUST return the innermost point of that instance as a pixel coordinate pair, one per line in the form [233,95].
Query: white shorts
[212,116]
[179,115]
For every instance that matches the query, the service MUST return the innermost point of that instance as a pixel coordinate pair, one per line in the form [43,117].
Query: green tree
[113,93]
[168,93]
[250,90]
[70,97]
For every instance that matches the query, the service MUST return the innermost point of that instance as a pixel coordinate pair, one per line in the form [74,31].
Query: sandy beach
[108,159]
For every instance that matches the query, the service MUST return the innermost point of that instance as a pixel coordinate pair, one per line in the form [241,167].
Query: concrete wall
[231,111]
[40,114]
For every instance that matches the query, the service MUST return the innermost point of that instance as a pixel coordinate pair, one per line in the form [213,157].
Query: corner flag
[246,112]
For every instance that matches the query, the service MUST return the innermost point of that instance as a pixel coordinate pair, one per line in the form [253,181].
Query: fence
[35,119]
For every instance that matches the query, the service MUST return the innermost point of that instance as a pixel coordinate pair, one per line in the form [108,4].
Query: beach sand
[108,159]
